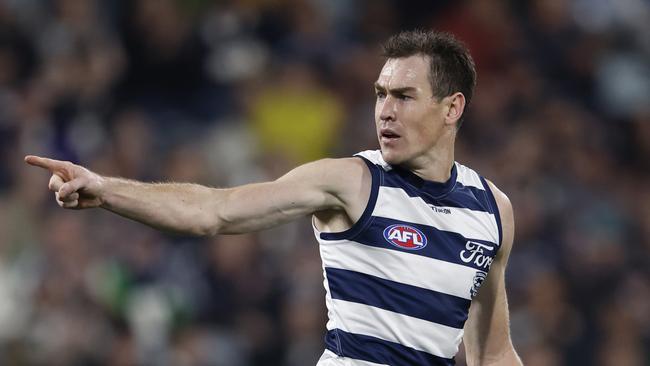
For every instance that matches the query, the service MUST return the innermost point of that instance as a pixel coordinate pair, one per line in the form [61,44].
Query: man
[407,236]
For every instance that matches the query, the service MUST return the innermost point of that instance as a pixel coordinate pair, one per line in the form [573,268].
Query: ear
[455,107]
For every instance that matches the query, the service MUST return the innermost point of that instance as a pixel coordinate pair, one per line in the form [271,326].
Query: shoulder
[469,177]
[502,200]
[340,177]
[329,168]
[506,213]
[333,170]
[346,175]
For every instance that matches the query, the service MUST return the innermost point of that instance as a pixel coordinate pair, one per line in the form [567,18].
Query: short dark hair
[451,68]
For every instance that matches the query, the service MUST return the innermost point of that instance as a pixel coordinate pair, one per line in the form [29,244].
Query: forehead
[412,71]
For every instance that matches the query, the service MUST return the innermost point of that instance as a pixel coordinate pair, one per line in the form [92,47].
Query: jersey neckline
[434,189]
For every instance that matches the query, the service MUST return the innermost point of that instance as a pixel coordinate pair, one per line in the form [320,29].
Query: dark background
[229,92]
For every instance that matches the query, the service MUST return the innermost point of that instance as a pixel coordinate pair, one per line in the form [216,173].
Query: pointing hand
[74,186]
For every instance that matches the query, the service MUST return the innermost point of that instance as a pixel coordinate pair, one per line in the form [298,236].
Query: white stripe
[415,270]
[330,358]
[394,203]
[331,317]
[464,175]
[375,157]
[468,177]
[436,339]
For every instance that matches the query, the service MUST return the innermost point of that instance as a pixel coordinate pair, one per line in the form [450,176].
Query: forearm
[199,210]
[180,207]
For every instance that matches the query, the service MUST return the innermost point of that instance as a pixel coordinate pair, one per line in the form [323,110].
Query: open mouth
[389,136]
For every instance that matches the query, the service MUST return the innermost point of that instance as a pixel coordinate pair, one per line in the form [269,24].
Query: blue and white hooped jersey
[400,281]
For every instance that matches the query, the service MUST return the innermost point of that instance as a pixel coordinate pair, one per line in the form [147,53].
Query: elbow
[213,225]
[210,220]
[204,231]
[215,218]
[208,228]
[203,225]
[194,228]
[214,229]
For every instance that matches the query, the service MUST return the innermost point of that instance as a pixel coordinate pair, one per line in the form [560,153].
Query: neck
[435,165]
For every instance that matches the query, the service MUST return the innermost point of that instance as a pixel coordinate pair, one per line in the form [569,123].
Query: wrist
[102,190]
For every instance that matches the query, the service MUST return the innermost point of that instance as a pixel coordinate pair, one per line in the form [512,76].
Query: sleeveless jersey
[400,281]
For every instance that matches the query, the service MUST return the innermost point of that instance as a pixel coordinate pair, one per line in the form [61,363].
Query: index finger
[45,163]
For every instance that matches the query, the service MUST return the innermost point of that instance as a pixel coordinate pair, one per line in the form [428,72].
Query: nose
[387,109]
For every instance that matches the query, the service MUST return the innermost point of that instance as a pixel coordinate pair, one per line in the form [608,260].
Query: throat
[437,169]
[435,162]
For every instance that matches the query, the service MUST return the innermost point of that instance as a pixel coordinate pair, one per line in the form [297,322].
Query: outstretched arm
[487,331]
[196,209]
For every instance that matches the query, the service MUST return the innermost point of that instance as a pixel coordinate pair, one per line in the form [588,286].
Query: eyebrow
[401,90]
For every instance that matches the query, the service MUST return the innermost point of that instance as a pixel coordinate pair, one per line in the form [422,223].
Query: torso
[402,264]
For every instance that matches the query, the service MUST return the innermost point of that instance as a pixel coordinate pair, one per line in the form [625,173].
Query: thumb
[71,187]
[55,183]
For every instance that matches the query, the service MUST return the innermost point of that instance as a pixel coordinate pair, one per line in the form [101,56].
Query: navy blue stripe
[377,178]
[442,245]
[435,189]
[461,196]
[397,297]
[495,208]
[372,349]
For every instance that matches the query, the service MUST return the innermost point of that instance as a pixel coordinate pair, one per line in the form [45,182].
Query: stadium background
[228,92]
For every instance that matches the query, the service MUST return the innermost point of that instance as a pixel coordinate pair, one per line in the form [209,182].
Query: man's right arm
[328,184]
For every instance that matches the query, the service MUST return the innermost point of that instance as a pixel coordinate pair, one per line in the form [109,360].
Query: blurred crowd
[224,93]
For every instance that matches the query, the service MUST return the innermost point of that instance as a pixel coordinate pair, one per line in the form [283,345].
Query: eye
[380,94]
[404,97]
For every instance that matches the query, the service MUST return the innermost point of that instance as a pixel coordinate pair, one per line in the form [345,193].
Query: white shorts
[330,358]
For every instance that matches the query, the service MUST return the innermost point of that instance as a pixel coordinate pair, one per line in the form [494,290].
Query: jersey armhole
[492,202]
[366,217]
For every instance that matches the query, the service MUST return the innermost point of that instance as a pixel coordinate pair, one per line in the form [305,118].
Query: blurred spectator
[294,118]
[232,92]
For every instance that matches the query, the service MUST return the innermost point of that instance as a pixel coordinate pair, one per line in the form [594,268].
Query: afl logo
[405,237]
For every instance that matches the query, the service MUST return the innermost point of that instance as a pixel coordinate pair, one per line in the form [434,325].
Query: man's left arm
[487,331]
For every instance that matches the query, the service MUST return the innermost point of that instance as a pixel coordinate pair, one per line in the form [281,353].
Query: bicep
[307,189]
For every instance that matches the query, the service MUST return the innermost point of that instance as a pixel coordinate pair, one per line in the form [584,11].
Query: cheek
[418,121]
[422,131]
